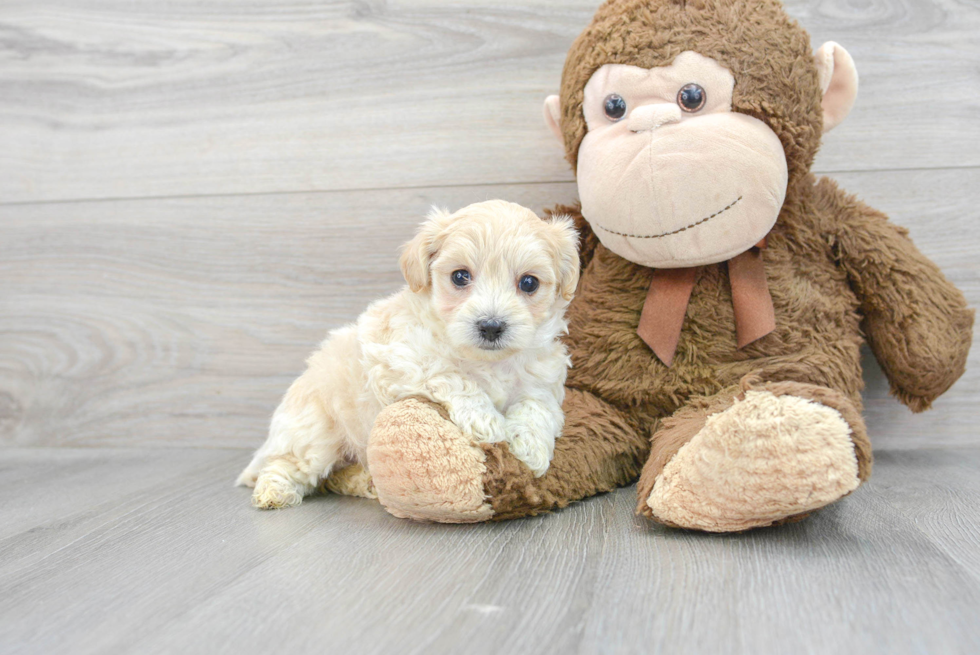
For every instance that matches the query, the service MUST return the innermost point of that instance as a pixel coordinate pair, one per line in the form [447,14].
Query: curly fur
[425,342]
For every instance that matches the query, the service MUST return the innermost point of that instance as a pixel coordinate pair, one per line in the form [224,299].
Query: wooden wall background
[193,192]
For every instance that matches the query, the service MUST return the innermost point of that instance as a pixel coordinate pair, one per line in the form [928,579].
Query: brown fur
[837,270]
[599,451]
[678,429]
[767,52]
[674,433]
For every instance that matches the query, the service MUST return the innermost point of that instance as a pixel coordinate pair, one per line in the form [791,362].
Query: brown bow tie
[670,290]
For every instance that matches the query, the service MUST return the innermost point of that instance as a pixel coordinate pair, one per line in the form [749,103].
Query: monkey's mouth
[672,232]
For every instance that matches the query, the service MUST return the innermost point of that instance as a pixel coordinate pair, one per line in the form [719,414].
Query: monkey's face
[668,175]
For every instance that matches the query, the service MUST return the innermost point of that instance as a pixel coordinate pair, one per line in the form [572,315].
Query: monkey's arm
[424,468]
[916,322]
[587,240]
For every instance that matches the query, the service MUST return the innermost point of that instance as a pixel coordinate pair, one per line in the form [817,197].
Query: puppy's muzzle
[491,329]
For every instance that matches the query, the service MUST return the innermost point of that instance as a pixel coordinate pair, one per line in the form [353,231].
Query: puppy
[476,330]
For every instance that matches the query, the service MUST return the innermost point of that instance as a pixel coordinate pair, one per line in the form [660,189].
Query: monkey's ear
[417,254]
[552,116]
[838,83]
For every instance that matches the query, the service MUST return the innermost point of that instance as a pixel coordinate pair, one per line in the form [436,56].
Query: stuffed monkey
[725,291]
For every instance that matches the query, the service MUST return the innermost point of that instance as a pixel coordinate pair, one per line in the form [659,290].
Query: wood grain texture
[192,193]
[108,99]
[154,552]
[182,321]
[928,488]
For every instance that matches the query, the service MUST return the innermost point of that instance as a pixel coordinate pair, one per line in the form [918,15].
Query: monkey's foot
[765,459]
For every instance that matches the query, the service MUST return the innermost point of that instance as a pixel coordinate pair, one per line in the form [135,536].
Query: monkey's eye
[461,277]
[528,284]
[692,97]
[615,107]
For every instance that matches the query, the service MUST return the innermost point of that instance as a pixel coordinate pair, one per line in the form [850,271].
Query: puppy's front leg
[533,424]
[469,407]
[477,417]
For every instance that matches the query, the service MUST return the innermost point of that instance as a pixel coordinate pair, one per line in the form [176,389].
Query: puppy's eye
[528,284]
[461,277]
[614,106]
[692,97]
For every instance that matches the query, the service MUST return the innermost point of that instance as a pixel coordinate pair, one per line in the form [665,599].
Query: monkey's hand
[916,322]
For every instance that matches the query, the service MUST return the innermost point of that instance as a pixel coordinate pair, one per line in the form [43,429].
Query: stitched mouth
[672,232]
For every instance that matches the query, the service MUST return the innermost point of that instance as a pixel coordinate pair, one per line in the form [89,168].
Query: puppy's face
[499,277]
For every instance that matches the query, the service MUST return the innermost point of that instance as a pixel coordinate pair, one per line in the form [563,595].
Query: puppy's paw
[482,425]
[531,432]
[273,491]
[531,450]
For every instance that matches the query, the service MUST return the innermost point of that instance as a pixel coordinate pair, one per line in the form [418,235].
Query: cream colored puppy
[477,330]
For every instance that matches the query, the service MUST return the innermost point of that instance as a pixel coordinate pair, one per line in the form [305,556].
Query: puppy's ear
[417,254]
[564,242]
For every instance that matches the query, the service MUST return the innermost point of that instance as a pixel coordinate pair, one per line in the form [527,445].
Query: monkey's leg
[425,469]
[754,455]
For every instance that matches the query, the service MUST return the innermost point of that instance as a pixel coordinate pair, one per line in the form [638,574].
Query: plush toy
[725,291]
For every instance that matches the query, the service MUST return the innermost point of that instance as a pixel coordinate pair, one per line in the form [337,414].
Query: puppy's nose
[491,329]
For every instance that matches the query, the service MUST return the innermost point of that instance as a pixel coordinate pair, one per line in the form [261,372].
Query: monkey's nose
[491,329]
[650,117]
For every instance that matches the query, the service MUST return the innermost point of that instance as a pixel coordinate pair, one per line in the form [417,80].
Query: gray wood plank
[107,99]
[84,488]
[182,321]
[930,488]
[849,579]
[183,564]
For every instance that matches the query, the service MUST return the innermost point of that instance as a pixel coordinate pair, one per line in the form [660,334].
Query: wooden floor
[193,192]
[153,551]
